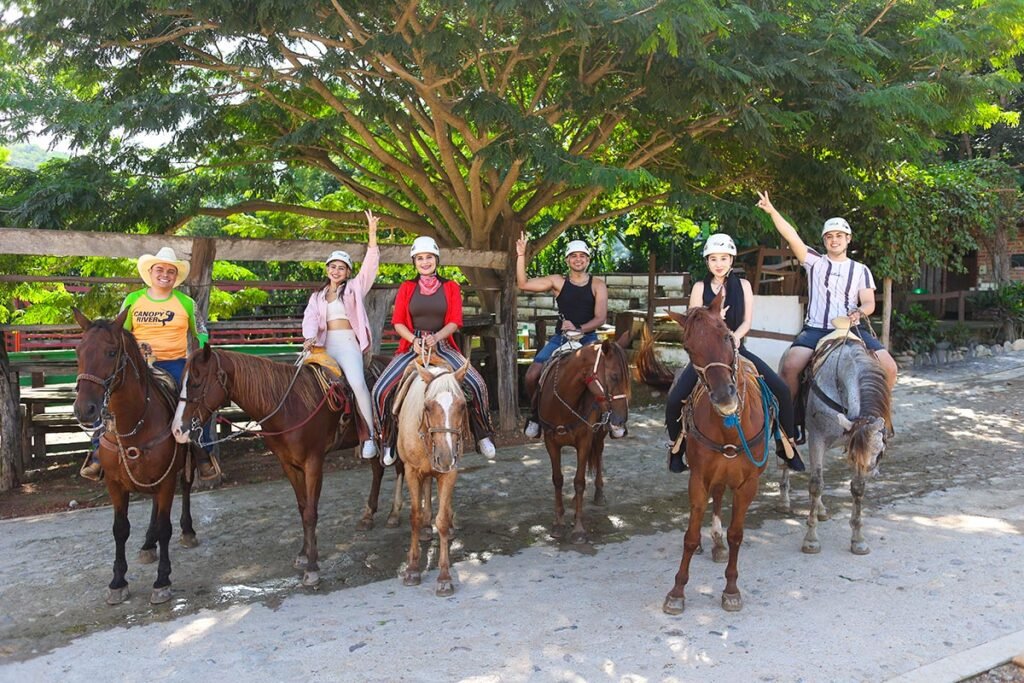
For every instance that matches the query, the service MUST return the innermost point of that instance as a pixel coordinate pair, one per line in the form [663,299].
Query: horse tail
[651,371]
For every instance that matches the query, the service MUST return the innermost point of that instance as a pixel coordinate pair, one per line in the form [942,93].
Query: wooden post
[961,306]
[200,277]
[379,301]
[886,310]
[11,465]
[652,277]
[506,352]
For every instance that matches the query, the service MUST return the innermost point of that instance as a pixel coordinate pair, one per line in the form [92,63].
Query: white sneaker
[532,430]
[486,447]
[389,457]
[369,449]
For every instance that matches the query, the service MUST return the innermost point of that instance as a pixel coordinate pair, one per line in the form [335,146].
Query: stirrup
[209,470]
[91,470]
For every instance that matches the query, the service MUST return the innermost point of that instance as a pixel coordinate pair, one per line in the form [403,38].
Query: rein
[603,398]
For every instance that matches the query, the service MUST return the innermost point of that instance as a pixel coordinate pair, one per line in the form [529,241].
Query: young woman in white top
[335,318]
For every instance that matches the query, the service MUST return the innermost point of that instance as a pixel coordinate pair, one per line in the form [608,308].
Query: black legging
[686,380]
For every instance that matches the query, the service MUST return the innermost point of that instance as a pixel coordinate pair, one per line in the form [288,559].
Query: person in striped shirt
[837,286]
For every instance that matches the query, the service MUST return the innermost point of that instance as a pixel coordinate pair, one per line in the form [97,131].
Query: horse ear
[844,422]
[625,339]
[425,374]
[121,317]
[206,352]
[716,304]
[678,317]
[461,372]
[878,423]
[80,318]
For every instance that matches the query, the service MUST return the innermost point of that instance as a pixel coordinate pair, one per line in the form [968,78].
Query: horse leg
[558,480]
[414,480]
[426,520]
[296,479]
[719,553]
[396,502]
[313,472]
[117,591]
[579,485]
[365,522]
[445,513]
[147,553]
[188,533]
[597,467]
[742,497]
[858,546]
[164,499]
[811,543]
[675,601]
[784,487]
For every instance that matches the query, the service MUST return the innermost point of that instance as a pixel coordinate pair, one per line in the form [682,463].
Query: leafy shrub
[914,330]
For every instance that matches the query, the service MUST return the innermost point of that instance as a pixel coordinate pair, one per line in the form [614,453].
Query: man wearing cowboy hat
[163,319]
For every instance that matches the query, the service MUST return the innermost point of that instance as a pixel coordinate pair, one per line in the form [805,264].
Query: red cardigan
[452,295]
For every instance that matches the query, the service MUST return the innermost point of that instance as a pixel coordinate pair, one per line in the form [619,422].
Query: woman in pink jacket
[335,318]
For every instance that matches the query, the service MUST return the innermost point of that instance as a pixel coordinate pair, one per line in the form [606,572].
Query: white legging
[343,347]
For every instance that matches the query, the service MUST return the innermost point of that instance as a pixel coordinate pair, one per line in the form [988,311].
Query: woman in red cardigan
[428,310]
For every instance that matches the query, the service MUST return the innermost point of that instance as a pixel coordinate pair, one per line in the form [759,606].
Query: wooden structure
[201,252]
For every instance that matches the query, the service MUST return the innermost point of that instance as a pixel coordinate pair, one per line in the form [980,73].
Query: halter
[733,369]
[427,431]
[601,397]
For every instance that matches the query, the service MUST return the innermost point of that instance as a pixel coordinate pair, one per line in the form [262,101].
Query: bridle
[601,395]
[197,421]
[427,432]
[732,367]
[112,383]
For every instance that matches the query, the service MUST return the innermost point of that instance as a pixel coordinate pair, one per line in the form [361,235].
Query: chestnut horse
[432,419]
[299,423]
[137,451]
[582,397]
[725,424]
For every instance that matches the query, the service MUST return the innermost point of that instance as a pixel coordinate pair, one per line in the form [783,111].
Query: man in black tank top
[582,307]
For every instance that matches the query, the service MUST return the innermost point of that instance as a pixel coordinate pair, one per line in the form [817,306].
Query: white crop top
[336,310]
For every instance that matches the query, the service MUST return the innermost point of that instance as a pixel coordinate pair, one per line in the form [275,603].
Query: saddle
[567,347]
[825,347]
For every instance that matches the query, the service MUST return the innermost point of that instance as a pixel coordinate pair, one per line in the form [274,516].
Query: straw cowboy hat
[165,255]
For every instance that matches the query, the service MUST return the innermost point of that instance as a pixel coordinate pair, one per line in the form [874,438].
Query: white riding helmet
[339,255]
[424,245]
[836,225]
[575,246]
[719,243]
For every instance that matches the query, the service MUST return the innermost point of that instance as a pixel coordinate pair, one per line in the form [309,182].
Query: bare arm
[783,227]
[697,294]
[600,307]
[748,312]
[547,283]
[867,305]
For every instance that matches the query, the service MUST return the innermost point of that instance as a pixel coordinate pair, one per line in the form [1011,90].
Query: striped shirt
[834,288]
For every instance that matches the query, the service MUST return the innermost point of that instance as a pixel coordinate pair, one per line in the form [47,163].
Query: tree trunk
[886,310]
[379,302]
[200,279]
[1000,252]
[11,465]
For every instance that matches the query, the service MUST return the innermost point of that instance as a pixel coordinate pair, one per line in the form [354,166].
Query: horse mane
[266,381]
[875,398]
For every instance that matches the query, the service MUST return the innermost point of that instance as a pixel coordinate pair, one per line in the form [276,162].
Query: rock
[1018,345]
[1019,660]
[73,504]
[996,349]
[1007,346]
[982,352]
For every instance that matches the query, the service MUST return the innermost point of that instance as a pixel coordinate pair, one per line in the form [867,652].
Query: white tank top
[336,310]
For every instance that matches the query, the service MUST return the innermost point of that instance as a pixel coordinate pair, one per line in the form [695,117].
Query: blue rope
[770,405]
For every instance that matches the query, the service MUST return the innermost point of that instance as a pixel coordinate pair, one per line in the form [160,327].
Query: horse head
[865,441]
[204,389]
[709,343]
[609,382]
[445,415]
[103,357]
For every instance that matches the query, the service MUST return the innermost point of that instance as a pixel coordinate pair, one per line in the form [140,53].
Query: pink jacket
[314,321]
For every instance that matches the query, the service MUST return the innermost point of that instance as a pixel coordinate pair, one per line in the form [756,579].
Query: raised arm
[546,283]
[787,231]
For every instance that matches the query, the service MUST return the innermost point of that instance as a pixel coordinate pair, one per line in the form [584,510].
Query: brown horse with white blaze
[725,427]
[138,454]
[583,396]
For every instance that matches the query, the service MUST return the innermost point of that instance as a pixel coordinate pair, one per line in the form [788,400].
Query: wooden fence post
[11,465]
[200,276]
[886,310]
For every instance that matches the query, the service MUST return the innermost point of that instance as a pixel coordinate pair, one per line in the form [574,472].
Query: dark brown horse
[137,450]
[725,426]
[583,396]
[298,419]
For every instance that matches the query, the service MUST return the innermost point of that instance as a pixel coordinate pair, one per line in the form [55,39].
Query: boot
[91,468]
[388,457]
[532,429]
[209,468]
[676,461]
[369,449]
[790,456]
[486,447]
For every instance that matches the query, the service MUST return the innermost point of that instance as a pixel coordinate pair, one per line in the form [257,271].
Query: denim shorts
[810,336]
[556,341]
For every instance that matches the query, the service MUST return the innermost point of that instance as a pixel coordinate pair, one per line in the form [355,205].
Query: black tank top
[576,302]
[733,299]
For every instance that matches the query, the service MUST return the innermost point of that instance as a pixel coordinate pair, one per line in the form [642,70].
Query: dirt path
[945,521]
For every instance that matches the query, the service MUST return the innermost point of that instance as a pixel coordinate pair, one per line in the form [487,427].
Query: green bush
[958,335]
[914,330]
[1005,303]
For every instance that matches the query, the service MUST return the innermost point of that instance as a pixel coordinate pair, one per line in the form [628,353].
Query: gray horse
[850,405]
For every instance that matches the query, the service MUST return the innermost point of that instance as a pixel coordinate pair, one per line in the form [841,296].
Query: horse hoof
[719,555]
[699,550]
[579,537]
[859,548]
[558,532]
[364,524]
[445,589]
[599,498]
[188,541]
[822,516]
[393,522]
[115,596]
[160,595]
[426,534]
[147,556]
[311,579]
[811,547]
[732,602]
[673,605]
[301,562]
[411,579]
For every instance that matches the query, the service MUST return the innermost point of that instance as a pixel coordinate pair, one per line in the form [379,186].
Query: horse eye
[111,353]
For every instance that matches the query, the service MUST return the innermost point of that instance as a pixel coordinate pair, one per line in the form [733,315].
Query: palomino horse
[299,424]
[849,403]
[583,395]
[725,426]
[137,452]
[432,419]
